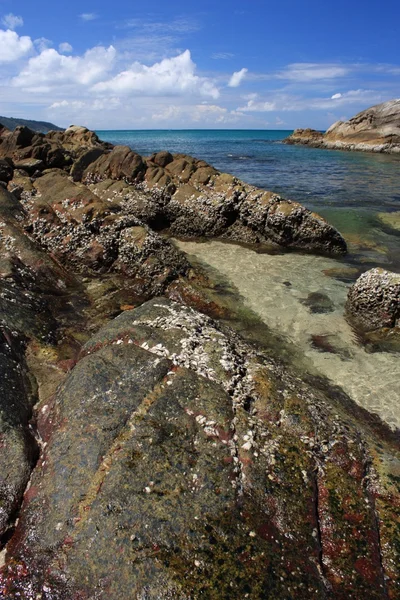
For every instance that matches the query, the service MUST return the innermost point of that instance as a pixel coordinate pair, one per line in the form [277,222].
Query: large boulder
[181,464]
[376,129]
[373,302]
[120,163]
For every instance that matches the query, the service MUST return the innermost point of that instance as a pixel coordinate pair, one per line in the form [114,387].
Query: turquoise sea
[347,188]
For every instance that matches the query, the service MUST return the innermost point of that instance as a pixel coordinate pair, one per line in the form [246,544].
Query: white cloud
[171,77]
[12,46]
[65,47]
[42,43]
[253,106]
[361,97]
[222,55]
[312,71]
[50,70]
[287,103]
[177,26]
[237,78]
[88,16]
[12,21]
[206,114]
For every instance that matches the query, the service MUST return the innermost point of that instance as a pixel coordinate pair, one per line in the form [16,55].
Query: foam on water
[274,288]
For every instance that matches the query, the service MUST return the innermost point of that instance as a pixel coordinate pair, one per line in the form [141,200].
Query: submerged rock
[318,302]
[373,302]
[376,129]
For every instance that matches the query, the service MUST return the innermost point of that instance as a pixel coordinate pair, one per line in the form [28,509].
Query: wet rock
[18,448]
[390,221]
[318,302]
[195,467]
[373,302]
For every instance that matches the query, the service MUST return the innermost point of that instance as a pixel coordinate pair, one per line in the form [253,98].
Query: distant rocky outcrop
[376,129]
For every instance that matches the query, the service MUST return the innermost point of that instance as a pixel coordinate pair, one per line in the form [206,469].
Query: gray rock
[376,129]
[373,302]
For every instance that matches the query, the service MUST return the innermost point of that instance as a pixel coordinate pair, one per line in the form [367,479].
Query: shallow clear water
[275,287]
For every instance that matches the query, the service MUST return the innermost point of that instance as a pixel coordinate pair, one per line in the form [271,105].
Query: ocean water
[347,188]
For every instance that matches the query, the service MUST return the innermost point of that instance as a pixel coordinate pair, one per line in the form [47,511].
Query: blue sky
[276,64]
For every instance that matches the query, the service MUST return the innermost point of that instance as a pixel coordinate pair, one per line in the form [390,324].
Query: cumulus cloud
[88,16]
[171,76]
[336,96]
[253,106]
[12,21]
[237,78]
[205,114]
[12,46]
[65,47]
[50,70]
[312,71]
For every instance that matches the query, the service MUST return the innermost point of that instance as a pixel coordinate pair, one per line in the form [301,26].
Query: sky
[259,64]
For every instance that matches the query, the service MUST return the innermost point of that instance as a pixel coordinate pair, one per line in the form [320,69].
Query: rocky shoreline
[376,129]
[146,449]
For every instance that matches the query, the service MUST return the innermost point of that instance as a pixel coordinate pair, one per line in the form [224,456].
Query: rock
[84,160]
[390,221]
[175,192]
[376,129]
[30,165]
[88,234]
[120,163]
[6,170]
[18,448]
[373,302]
[180,463]
[77,139]
[162,159]
[318,302]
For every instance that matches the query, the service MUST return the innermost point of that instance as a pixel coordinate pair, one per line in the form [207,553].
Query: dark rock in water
[181,463]
[318,302]
[330,344]
[373,302]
